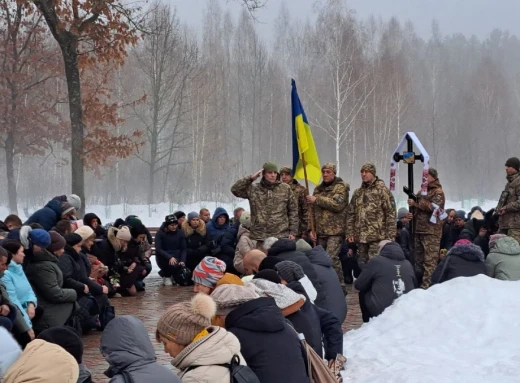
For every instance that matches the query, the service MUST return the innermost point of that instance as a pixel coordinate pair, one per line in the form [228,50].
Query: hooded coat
[9,352]
[46,279]
[270,346]
[75,273]
[461,261]
[503,261]
[216,231]
[285,250]
[385,278]
[471,233]
[126,346]
[207,353]
[19,289]
[48,216]
[197,243]
[335,301]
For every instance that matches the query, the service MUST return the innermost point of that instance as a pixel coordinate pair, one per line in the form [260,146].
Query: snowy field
[463,331]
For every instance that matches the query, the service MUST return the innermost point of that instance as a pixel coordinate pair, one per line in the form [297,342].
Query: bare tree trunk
[9,167]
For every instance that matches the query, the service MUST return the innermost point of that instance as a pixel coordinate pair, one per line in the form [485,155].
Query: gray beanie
[460,214]
[229,297]
[402,212]
[192,215]
[75,201]
[289,271]
[302,245]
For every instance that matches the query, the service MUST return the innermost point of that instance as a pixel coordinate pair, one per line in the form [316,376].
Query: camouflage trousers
[367,251]
[427,248]
[332,244]
[514,233]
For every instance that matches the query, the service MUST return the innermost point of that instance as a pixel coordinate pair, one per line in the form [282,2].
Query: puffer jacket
[503,261]
[216,231]
[330,209]
[424,210]
[19,289]
[126,347]
[511,219]
[48,216]
[245,244]
[461,261]
[207,353]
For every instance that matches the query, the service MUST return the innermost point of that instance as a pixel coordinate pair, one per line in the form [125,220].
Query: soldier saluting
[509,204]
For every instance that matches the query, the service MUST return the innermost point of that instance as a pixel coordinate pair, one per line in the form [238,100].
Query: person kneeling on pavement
[170,249]
[210,273]
[384,279]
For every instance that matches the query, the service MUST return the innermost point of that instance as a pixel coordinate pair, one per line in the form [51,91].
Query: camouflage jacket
[330,209]
[371,215]
[511,219]
[303,212]
[274,210]
[424,210]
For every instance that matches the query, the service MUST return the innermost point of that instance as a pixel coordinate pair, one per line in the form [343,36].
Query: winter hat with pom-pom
[182,322]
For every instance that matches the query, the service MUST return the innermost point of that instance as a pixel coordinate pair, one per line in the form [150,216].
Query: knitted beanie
[192,215]
[75,201]
[286,170]
[179,214]
[57,242]
[402,212]
[302,245]
[73,239]
[289,271]
[229,297]
[123,233]
[369,167]
[183,321]
[40,238]
[245,219]
[329,165]
[138,230]
[460,214]
[85,232]
[270,167]
[66,208]
[463,242]
[514,163]
[209,271]
[229,279]
[269,263]
[268,275]
[65,337]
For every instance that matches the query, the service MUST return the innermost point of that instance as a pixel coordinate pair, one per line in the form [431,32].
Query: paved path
[149,305]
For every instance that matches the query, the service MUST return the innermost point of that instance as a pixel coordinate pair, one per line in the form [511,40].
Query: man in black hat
[509,204]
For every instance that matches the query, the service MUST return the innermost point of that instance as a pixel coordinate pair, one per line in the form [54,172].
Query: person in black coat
[403,234]
[170,249]
[447,227]
[228,244]
[269,345]
[349,261]
[285,250]
[335,301]
[197,241]
[384,279]
[476,232]
[456,229]
[463,260]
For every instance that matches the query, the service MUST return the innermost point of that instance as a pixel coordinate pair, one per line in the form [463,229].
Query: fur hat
[229,297]
[329,165]
[57,242]
[289,271]
[209,271]
[245,219]
[270,167]
[286,170]
[85,232]
[434,173]
[40,238]
[73,239]
[369,167]
[183,321]
[193,215]
[514,163]
[402,212]
[123,233]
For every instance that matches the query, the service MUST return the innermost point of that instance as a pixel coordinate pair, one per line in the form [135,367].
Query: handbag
[318,371]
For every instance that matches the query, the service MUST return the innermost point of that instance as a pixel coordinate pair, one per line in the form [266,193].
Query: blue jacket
[170,244]
[19,289]
[216,231]
[48,216]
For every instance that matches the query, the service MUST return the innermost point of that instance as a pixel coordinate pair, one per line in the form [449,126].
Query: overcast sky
[469,17]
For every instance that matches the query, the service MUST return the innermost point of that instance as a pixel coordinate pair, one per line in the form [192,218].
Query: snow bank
[466,331]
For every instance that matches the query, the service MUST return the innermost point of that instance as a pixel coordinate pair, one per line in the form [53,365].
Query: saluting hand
[255,176]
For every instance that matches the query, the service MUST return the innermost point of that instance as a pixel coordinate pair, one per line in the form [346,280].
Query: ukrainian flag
[303,143]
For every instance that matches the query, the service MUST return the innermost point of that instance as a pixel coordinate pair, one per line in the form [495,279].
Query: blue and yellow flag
[303,143]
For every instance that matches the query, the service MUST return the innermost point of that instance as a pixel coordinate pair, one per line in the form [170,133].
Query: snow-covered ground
[463,331]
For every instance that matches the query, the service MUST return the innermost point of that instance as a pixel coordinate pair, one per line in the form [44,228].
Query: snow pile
[466,331]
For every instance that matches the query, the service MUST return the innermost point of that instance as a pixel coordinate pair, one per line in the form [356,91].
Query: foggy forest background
[213,105]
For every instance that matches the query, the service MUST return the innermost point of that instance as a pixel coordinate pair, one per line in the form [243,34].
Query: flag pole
[309,206]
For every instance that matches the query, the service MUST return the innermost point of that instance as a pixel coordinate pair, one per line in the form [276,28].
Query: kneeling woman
[170,249]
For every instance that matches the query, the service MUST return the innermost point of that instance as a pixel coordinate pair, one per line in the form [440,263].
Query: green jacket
[503,260]
[330,209]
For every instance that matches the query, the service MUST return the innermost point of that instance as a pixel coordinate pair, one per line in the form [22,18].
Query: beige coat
[43,362]
[216,348]
[245,244]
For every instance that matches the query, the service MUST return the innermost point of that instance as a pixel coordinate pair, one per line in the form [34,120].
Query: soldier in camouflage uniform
[371,215]
[299,193]
[274,210]
[428,234]
[329,201]
[509,221]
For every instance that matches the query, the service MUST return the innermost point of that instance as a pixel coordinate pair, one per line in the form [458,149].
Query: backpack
[237,372]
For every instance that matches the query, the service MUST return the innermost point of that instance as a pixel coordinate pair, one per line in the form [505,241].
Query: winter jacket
[20,324]
[207,353]
[404,240]
[330,209]
[274,209]
[461,261]
[46,279]
[245,245]
[19,289]
[89,217]
[269,345]
[216,231]
[285,250]
[446,234]
[335,301]
[511,219]
[455,233]
[9,352]
[75,274]
[42,361]
[385,278]
[47,216]
[503,261]
[424,210]
[126,346]
[371,213]
[228,243]
[106,250]
[326,327]
[170,244]
[471,233]
[197,243]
